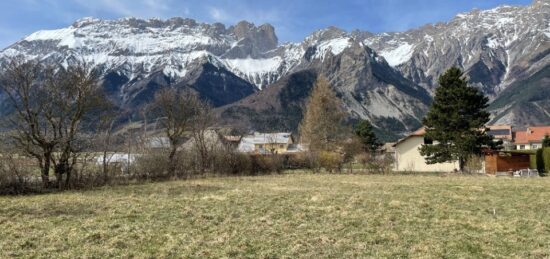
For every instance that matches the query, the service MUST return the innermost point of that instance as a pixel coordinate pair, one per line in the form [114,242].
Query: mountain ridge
[387,78]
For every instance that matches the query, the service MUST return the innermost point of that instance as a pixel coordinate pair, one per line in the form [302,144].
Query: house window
[521,147]
[428,141]
[281,146]
[260,146]
[535,146]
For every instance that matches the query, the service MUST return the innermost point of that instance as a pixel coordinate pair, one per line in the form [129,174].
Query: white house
[269,143]
[408,157]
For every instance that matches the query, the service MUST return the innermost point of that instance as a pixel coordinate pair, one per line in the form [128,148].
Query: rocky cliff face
[387,78]
[368,87]
[504,51]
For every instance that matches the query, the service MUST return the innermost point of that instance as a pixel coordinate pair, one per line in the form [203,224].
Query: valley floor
[289,215]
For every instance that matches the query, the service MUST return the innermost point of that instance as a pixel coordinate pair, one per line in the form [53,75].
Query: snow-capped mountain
[495,47]
[387,78]
[138,48]
[504,51]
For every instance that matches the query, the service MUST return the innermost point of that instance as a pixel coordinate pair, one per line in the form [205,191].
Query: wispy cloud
[219,15]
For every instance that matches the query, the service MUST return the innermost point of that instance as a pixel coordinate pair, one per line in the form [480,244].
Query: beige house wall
[408,158]
[277,148]
[529,146]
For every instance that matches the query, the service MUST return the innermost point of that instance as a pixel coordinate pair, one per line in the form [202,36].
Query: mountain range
[256,83]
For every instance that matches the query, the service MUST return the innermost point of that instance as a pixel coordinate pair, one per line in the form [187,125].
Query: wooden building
[505,162]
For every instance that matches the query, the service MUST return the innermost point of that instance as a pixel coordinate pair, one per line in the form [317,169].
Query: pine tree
[364,131]
[455,121]
[321,126]
[546,141]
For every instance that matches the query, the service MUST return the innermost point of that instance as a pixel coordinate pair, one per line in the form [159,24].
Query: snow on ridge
[254,66]
[59,34]
[493,43]
[335,46]
[398,55]
[260,72]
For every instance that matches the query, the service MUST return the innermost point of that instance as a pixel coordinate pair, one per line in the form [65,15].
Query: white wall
[408,158]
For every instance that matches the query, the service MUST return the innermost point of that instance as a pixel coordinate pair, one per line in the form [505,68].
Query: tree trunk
[46,170]
[105,168]
[67,179]
[461,164]
[45,175]
[62,168]
[172,163]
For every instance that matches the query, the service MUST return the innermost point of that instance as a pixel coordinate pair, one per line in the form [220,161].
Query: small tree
[176,112]
[364,131]
[202,119]
[455,121]
[321,126]
[352,147]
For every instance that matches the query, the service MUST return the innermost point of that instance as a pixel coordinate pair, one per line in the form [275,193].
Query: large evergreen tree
[455,121]
[321,126]
[546,141]
[365,132]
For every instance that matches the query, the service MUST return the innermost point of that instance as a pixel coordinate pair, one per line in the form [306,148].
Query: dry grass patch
[291,215]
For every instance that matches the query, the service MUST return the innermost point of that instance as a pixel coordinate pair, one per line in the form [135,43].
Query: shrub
[546,160]
[474,164]
[229,162]
[16,177]
[266,164]
[154,165]
[331,161]
[299,161]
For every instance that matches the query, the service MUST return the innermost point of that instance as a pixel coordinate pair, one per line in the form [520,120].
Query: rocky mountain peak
[262,37]
[541,3]
[328,33]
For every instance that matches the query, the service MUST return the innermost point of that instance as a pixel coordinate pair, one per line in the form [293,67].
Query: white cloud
[219,15]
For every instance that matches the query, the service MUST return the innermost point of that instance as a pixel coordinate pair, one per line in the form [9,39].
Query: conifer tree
[455,121]
[321,126]
[364,131]
[546,141]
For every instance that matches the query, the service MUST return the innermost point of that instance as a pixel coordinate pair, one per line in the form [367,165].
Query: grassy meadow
[290,215]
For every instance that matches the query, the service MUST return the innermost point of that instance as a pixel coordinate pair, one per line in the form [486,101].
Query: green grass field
[290,215]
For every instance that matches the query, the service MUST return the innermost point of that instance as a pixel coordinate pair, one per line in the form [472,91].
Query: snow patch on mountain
[253,66]
[258,71]
[59,34]
[334,46]
[398,55]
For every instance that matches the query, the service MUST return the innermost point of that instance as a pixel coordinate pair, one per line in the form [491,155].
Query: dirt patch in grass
[290,215]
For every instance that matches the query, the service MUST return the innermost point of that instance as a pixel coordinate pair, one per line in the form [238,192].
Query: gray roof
[248,142]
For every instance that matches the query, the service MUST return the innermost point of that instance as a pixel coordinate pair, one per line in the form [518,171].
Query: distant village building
[212,139]
[408,157]
[503,133]
[157,143]
[531,138]
[269,143]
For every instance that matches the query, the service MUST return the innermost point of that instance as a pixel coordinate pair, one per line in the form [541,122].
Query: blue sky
[293,19]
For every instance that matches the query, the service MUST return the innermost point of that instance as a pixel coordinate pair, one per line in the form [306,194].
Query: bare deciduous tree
[202,120]
[51,104]
[176,112]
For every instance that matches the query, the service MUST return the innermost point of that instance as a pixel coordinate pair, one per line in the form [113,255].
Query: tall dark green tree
[455,121]
[365,132]
[546,141]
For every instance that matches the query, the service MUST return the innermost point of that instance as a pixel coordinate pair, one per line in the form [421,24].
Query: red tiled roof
[532,134]
[418,133]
